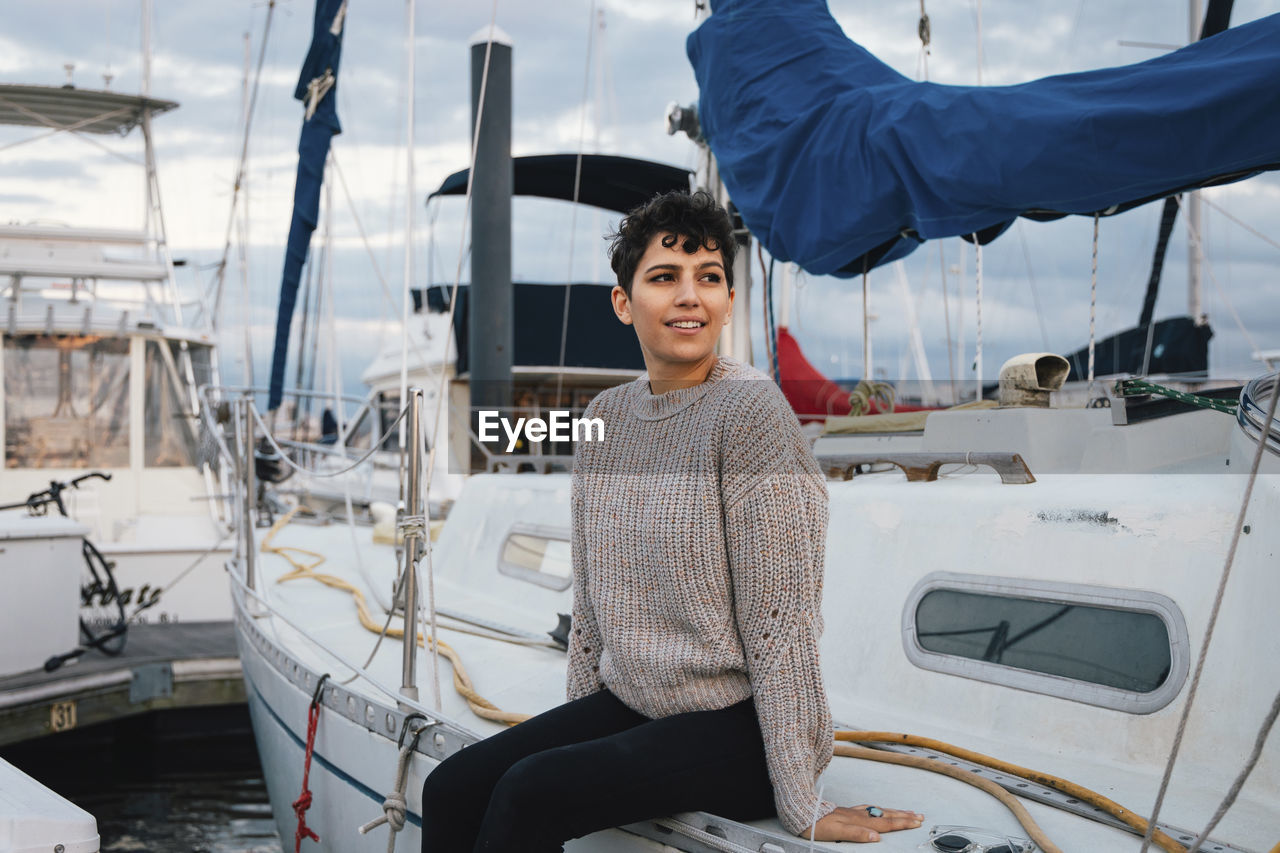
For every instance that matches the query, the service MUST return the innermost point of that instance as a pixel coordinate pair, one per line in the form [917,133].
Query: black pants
[589,765]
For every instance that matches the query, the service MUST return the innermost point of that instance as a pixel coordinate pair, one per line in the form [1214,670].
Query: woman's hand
[857,824]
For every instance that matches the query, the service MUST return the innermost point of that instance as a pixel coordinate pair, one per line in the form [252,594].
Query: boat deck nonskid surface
[530,679]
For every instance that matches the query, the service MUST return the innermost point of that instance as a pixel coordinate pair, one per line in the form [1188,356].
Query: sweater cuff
[798,820]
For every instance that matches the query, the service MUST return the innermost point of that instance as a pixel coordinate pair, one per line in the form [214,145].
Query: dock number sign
[62,716]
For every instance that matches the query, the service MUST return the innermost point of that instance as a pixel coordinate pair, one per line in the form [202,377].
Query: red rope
[303,802]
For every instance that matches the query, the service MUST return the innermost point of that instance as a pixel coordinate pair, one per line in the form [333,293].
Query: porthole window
[538,554]
[1122,649]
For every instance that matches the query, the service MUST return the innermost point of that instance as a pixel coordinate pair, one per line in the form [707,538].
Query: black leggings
[592,764]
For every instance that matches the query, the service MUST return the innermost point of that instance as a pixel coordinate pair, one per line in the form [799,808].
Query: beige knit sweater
[699,526]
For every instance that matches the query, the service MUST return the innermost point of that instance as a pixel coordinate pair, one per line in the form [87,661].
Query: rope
[1234,791]
[866,326]
[1008,800]
[1213,621]
[1140,387]
[155,599]
[1070,788]
[462,683]
[394,806]
[1093,301]
[715,842]
[303,802]
[868,392]
[977,268]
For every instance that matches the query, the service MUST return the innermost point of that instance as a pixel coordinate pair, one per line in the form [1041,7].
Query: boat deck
[173,665]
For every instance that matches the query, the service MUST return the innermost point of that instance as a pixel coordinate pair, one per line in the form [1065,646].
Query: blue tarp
[318,79]
[837,161]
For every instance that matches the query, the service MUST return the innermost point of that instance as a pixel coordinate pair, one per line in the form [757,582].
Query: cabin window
[1124,649]
[66,401]
[171,439]
[537,554]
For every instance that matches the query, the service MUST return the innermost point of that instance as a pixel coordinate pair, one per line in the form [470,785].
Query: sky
[1036,278]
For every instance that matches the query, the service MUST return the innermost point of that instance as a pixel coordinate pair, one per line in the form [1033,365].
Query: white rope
[1255,232]
[1093,302]
[1204,647]
[866,324]
[394,807]
[977,353]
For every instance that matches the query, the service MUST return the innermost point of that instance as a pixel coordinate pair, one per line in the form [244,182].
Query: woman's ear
[621,304]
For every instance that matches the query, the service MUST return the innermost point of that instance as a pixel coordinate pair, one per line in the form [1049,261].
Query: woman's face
[679,302]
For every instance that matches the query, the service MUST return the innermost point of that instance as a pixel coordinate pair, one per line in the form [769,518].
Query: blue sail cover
[837,161]
[317,88]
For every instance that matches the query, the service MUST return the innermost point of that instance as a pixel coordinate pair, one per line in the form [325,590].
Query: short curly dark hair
[694,218]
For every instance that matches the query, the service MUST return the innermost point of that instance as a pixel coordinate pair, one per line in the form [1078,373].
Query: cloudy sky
[1036,277]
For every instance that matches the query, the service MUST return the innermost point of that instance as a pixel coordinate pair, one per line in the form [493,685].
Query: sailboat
[1058,607]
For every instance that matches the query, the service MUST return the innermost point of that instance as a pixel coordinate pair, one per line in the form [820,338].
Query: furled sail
[839,163]
[316,89]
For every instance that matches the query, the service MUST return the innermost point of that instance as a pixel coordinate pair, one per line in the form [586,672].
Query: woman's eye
[666,276]
[713,277]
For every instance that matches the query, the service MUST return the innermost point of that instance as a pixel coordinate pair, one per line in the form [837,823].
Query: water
[181,780]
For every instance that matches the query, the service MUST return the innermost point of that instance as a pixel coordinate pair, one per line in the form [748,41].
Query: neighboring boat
[101,360]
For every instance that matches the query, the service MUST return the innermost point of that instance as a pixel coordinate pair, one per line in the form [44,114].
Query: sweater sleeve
[584,635]
[775,528]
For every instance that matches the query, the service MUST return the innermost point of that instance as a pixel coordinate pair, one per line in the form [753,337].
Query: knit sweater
[699,528]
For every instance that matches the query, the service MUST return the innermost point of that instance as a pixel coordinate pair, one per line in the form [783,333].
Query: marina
[249,610]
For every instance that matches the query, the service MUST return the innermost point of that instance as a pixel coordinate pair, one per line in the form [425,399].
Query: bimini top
[81,110]
[607,181]
[839,163]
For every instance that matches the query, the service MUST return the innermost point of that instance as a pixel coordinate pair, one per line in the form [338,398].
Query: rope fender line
[303,802]
[1140,387]
[1079,792]
[462,683]
[395,806]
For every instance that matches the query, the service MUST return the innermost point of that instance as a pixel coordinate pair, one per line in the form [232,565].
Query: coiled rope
[462,683]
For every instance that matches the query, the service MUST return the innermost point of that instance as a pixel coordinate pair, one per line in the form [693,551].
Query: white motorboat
[102,354]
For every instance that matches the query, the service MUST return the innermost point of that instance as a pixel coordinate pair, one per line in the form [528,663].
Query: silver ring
[875,811]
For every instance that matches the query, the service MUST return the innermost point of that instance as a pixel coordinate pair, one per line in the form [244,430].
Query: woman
[699,525]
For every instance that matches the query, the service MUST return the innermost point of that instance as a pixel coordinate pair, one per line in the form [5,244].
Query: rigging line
[364,237]
[866,323]
[441,396]
[577,185]
[1231,308]
[764,278]
[1093,302]
[1208,636]
[69,129]
[1035,291]
[1255,232]
[946,314]
[244,156]
[322,474]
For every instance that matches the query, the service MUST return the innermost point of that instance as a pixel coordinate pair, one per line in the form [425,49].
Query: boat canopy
[79,110]
[597,342]
[839,163]
[607,181]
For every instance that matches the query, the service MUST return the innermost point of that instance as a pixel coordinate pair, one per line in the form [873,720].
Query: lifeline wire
[1208,635]
[977,268]
[1093,301]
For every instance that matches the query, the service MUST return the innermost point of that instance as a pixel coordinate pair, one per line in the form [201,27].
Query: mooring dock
[174,665]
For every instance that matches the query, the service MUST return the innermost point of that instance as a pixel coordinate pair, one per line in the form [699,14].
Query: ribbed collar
[648,406]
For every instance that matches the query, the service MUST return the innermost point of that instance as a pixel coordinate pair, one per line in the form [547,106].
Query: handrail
[923,467]
[1253,410]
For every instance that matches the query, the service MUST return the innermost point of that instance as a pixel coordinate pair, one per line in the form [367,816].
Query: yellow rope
[461,680]
[1011,802]
[868,392]
[1071,789]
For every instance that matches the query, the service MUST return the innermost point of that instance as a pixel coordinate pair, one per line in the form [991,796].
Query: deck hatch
[1115,648]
